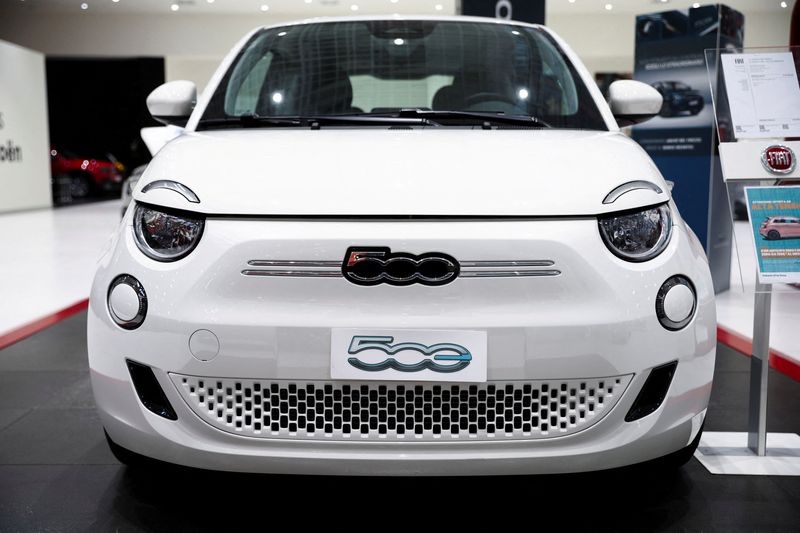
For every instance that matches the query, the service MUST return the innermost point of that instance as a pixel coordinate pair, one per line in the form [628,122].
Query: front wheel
[773,235]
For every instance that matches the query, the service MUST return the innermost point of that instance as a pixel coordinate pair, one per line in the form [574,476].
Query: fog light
[676,303]
[127,302]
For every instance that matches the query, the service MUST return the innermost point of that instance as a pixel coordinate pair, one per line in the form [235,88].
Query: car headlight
[164,236]
[637,236]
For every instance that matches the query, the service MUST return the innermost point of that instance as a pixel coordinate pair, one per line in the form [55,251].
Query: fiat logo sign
[778,159]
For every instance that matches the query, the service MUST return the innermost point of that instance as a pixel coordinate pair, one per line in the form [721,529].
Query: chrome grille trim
[294,273]
[332,269]
[507,273]
[392,411]
[298,264]
[499,264]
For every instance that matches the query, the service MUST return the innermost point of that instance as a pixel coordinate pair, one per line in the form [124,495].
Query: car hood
[387,172]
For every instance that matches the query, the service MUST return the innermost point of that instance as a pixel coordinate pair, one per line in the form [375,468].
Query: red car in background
[86,175]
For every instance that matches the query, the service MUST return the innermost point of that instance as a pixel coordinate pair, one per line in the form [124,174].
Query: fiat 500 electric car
[404,247]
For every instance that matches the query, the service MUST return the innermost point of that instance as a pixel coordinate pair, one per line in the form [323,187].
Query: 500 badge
[408,355]
[441,352]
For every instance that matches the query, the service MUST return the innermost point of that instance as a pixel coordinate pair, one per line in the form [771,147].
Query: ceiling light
[523,94]
[354,7]
[308,1]
[696,5]
[664,1]
[784,5]
[84,6]
[174,7]
[394,1]
[571,1]
[399,41]
[281,34]
[277,98]
[210,1]
[609,7]
[439,7]
[264,7]
[115,1]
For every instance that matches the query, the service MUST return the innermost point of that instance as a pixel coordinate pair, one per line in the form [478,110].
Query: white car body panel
[403,172]
[289,195]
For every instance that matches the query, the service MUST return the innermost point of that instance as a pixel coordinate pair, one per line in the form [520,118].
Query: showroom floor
[56,473]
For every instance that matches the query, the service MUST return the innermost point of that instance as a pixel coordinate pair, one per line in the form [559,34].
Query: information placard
[763,94]
[775,222]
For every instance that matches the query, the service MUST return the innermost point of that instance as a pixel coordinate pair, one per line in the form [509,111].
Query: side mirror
[633,102]
[173,102]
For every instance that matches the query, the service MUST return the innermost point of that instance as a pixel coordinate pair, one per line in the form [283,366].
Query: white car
[402,247]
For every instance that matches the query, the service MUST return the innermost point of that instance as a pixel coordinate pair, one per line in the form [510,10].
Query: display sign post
[759,371]
[756,97]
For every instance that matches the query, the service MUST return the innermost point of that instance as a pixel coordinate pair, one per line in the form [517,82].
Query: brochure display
[756,98]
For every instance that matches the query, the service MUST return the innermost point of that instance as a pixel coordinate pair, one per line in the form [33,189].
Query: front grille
[392,411]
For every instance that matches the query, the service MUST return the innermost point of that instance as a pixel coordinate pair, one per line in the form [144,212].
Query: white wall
[24,149]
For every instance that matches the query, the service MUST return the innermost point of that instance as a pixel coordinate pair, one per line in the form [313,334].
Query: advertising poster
[775,220]
[670,57]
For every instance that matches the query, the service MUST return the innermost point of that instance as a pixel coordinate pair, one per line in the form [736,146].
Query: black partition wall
[97,105]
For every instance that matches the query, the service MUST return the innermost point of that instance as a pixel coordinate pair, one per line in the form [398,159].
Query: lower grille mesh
[392,411]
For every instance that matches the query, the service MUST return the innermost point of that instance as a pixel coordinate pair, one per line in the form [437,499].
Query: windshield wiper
[310,121]
[485,118]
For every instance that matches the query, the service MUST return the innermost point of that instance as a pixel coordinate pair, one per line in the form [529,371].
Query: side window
[247,97]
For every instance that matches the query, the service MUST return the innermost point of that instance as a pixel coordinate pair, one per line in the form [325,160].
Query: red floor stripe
[777,360]
[16,335]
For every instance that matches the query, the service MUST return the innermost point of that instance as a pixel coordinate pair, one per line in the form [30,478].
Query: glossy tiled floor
[56,474]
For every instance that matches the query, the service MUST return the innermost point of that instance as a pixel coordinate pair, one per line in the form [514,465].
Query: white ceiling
[313,8]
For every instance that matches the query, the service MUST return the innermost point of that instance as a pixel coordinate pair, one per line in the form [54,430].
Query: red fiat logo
[778,159]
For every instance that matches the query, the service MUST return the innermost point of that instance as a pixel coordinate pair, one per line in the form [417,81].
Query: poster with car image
[775,220]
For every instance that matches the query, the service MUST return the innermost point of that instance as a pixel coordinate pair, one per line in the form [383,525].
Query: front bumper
[594,320]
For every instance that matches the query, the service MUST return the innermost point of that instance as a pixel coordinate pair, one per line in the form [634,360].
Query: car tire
[80,186]
[125,456]
[773,235]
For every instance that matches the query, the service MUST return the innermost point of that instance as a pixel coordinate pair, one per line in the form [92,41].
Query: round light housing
[165,236]
[637,236]
[127,302]
[676,303]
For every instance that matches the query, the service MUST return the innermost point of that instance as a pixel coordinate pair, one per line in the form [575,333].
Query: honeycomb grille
[391,411]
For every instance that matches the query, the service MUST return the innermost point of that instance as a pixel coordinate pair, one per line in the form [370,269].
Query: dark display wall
[523,10]
[97,106]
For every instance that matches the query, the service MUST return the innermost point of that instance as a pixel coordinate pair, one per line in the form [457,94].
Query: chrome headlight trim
[174,220]
[659,239]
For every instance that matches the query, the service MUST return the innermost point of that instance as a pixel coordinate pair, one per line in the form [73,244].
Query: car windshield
[386,68]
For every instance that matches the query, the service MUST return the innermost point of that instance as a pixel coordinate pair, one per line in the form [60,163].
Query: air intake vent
[150,392]
[653,392]
[340,411]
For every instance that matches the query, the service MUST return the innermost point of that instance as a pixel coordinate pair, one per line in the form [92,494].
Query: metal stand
[746,453]
[759,371]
